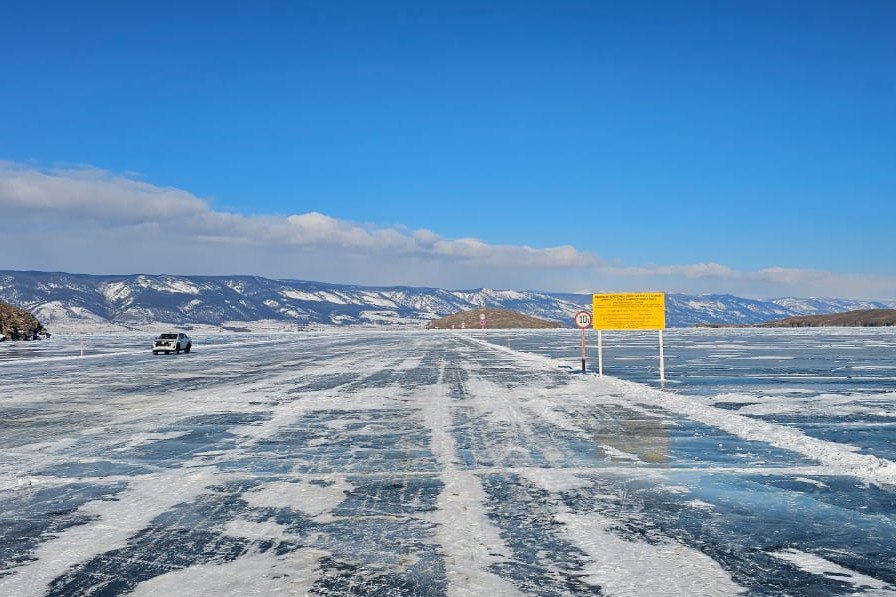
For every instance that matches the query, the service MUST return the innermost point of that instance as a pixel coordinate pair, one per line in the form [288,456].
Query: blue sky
[744,147]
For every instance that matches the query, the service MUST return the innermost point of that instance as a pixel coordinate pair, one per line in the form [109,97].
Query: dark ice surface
[839,384]
[436,463]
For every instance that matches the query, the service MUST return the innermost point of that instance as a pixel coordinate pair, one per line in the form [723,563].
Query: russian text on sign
[630,311]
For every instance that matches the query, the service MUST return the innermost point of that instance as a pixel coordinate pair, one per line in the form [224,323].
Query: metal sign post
[583,322]
[662,366]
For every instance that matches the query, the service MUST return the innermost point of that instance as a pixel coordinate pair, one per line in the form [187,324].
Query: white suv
[172,342]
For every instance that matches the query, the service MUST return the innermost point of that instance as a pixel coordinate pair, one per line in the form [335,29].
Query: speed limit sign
[583,320]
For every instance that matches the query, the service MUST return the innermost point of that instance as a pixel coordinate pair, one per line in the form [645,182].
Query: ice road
[413,463]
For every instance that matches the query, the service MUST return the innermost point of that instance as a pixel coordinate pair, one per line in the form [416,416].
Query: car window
[168,336]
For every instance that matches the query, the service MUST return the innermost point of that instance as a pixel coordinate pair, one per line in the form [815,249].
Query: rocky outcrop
[18,324]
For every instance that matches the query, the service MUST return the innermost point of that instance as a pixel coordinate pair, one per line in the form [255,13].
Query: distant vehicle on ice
[172,342]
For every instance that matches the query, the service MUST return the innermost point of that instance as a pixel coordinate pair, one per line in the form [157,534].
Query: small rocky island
[859,318]
[19,324]
[495,319]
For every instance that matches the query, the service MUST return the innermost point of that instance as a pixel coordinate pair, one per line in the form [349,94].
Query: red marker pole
[583,322]
[583,351]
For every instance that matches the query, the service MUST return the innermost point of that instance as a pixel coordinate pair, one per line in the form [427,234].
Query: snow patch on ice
[553,479]
[827,404]
[618,565]
[315,498]
[16,481]
[616,454]
[253,574]
[814,564]
[256,531]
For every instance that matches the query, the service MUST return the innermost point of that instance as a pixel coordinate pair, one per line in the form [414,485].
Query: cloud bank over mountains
[88,220]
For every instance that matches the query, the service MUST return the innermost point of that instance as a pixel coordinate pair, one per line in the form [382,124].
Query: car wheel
[177,349]
[189,347]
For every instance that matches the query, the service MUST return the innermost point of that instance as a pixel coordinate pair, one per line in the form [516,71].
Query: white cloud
[89,193]
[81,213]
[86,220]
[701,278]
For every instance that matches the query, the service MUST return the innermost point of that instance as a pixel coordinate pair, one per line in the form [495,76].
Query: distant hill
[17,324]
[74,303]
[500,319]
[858,318]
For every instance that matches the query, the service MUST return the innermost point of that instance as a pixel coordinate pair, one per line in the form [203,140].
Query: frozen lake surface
[440,463]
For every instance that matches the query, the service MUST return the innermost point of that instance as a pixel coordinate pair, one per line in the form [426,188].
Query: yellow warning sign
[630,311]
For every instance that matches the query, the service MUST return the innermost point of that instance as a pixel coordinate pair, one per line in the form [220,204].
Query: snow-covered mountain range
[76,302]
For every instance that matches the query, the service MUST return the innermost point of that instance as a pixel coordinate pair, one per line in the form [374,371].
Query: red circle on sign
[583,320]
